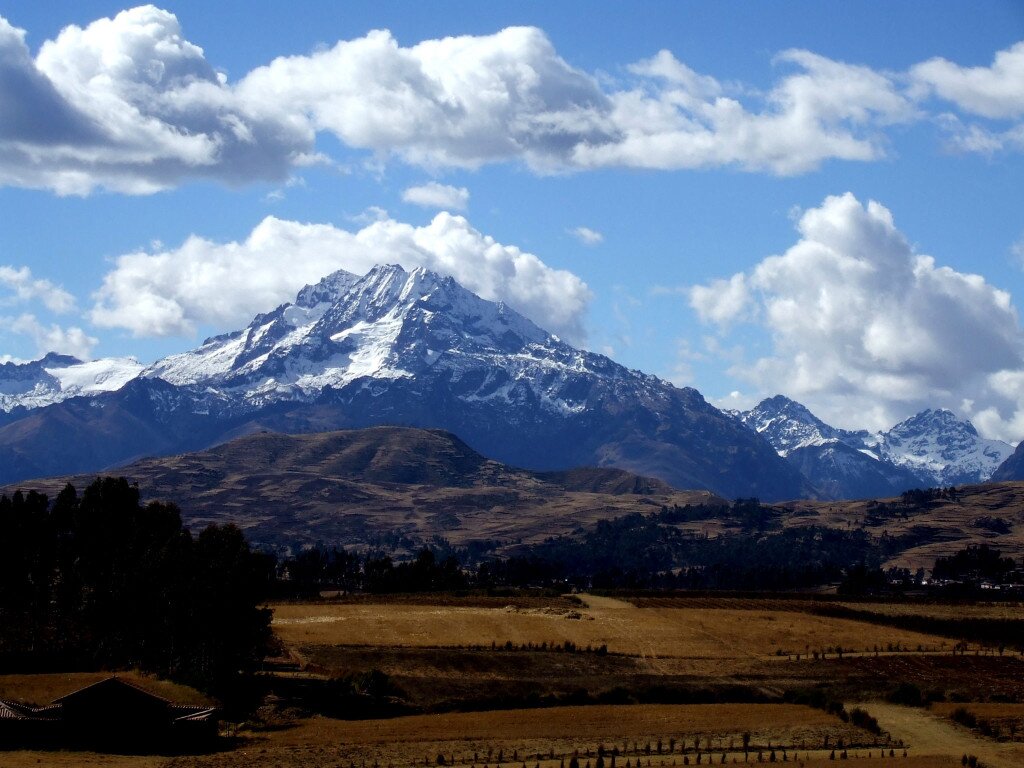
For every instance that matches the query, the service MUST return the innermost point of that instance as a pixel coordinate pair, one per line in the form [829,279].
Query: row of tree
[631,552]
[99,580]
[651,552]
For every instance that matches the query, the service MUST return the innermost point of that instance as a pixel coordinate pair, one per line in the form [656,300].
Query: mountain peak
[932,420]
[932,447]
[390,323]
[788,425]
[944,447]
[327,290]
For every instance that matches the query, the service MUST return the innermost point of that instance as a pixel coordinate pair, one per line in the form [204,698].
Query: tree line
[99,580]
[648,552]
[634,551]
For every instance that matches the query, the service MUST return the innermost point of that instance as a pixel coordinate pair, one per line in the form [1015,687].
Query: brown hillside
[991,513]
[354,486]
[378,485]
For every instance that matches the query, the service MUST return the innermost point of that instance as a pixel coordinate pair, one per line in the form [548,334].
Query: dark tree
[103,581]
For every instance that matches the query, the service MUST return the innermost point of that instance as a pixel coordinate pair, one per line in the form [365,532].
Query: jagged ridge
[415,348]
[932,448]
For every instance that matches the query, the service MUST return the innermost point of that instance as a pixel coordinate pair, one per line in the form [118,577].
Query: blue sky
[738,197]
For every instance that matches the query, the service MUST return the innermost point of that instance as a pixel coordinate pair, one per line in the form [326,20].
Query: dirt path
[928,734]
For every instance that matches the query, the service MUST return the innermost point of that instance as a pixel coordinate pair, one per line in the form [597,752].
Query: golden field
[720,633]
[437,653]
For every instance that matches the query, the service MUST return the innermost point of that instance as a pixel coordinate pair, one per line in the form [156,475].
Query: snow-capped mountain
[932,448]
[938,445]
[416,349]
[55,378]
[788,426]
[391,324]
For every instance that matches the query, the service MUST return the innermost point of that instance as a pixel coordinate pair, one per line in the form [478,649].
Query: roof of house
[201,715]
[113,682]
[11,711]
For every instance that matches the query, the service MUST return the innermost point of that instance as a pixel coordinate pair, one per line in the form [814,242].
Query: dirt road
[928,734]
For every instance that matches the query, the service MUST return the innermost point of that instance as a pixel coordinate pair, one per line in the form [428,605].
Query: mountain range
[402,348]
[414,348]
[931,448]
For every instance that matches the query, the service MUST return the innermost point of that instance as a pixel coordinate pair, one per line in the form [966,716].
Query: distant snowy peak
[936,446]
[940,445]
[787,425]
[55,378]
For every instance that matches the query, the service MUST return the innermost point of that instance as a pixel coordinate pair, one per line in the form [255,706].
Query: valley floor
[656,682]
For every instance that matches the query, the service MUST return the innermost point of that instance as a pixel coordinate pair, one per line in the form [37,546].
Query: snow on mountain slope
[417,349]
[932,448]
[788,425]
[389,324]
[55,378]
[937,444]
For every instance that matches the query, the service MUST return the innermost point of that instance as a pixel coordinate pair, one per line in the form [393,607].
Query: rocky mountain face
[932,448]
[936,444]
[1012,468]
[405,348]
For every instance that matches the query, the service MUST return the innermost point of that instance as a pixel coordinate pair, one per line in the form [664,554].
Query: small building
[111,715]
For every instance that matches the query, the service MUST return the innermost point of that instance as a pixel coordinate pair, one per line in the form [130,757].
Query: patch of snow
[56,378]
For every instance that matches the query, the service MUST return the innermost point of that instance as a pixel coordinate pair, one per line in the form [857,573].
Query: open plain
[533,681]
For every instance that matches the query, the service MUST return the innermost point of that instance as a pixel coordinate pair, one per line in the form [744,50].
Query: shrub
[964,716]
[862,719]
[907,694]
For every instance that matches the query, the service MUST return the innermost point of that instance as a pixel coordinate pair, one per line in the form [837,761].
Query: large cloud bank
[226,284]
[129,104]
[864,328]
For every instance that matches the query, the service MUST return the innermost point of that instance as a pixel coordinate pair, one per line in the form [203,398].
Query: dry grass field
[963,610]
[27,758]
[698,633]
[438,652]
[1006,610]
[1006,719]
[550,736]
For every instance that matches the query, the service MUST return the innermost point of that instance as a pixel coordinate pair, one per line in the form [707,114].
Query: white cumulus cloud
[995,91]
[434,195]
[25,287]
[866,330]
[676,119]
[723,301]
[129,104]
[51,338]
[172,292]
[587,236]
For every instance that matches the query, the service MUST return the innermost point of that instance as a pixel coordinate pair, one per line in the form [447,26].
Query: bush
[907,694]
[964,716]
[862,719]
